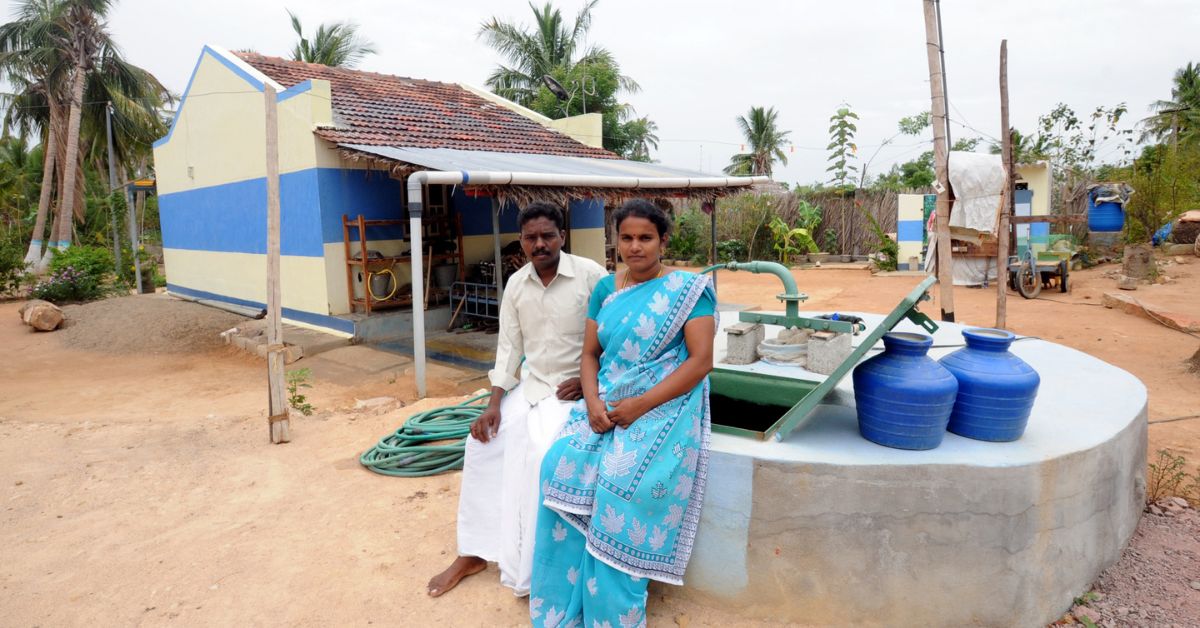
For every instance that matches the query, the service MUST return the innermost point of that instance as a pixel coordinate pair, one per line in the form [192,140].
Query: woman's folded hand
[625,411]
[598,417]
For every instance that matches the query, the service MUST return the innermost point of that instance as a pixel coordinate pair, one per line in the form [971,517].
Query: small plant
[829,240]
[1167,475]
[296,380]
[67,285]
[789,241]
[732,250]
[685,242]
[95,262]
[12,265]
[888,248]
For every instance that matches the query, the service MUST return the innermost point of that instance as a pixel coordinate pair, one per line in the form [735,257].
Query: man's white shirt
[544,324]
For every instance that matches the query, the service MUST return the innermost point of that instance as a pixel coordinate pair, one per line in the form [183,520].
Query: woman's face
[639,244]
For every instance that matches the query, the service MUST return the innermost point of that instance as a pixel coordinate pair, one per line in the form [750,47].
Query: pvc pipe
[427,177]
[790,289]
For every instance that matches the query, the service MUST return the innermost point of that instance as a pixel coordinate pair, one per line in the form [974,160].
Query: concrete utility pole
[945,269]
[278,415]
[1006,195]
[112,187]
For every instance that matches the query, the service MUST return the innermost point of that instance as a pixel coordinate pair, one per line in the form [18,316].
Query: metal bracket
[817,324]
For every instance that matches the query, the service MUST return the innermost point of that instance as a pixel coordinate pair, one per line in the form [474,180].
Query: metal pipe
[791,292]
[427,177]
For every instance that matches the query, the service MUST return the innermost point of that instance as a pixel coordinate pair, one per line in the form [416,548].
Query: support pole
[416,207]
[496,245]
[278,416]
[945,268]
[714,241]
[1006,196]
[112,187]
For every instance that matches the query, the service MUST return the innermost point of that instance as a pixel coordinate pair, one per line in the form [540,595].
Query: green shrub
[732,250]
[12,265]
[687,240]
[92,261]
[68,285]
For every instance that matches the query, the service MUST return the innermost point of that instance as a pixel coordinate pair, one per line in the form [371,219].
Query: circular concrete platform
[827,528]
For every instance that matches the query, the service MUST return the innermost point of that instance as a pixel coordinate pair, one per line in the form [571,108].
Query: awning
[452,159]
[523,177]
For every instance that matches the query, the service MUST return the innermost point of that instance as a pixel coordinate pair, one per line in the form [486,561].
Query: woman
[622,486]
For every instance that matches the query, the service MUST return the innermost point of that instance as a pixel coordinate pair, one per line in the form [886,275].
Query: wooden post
[1006,196]
[278,415]
[499,260]
[945,270]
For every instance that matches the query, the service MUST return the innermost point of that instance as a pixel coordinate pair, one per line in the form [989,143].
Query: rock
[42,315]
[682,621]
[1127,283]
[1122,611]
[1181,502]
[1180,259]
[1195,584]
[1155,510]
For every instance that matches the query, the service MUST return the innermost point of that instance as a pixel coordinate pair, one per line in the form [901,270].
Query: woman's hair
[541,209]
[642,208]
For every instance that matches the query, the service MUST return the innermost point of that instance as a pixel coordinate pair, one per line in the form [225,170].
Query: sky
[702,63]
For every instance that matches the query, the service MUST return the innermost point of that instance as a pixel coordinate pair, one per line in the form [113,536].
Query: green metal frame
[774,390]
[799,414]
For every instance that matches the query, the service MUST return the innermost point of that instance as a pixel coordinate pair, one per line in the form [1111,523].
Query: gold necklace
[626,283]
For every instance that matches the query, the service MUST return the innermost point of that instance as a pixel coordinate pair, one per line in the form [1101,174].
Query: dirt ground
[140,489]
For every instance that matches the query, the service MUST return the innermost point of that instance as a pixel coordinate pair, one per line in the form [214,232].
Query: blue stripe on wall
[476,214]
[1039,231]
[587,214]
[232,218]
[372,193]
[320,320]
[910,230]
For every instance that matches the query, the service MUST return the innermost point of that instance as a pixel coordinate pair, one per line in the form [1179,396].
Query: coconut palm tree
[336,44]
[549,48]
[1177,119]
[1027,149]
[642,136]
[760,128]
[66,68]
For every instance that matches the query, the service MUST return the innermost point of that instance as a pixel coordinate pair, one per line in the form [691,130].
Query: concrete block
[742,341]
[827,350]
[244,343]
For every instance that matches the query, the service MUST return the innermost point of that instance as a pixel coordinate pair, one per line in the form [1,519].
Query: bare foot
[462,567]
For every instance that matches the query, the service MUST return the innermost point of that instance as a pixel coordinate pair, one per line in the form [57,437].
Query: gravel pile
[145,324]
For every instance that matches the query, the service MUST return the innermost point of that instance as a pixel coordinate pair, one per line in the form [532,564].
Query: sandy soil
[139,487]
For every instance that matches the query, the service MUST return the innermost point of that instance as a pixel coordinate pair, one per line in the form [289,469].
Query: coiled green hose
[429,442]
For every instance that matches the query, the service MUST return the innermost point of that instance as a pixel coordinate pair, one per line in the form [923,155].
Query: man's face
[541,240]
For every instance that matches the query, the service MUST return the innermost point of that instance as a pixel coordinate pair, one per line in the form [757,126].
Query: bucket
[382,285]
[444,275]
[779,353]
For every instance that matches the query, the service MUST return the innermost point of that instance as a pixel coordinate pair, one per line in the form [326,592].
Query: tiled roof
[384,110]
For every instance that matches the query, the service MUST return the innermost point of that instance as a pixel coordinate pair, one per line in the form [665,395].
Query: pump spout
[791,295]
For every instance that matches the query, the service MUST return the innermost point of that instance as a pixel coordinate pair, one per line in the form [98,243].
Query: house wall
[910,227]
[211,171]
[1038,177]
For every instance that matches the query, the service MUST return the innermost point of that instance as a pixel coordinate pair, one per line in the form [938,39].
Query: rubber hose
[429,442]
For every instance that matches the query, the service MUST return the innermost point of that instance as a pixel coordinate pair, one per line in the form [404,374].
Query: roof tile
[385,110]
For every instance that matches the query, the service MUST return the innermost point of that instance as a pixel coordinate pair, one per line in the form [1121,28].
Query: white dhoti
[497,506]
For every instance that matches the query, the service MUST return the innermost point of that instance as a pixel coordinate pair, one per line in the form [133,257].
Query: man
[542,318]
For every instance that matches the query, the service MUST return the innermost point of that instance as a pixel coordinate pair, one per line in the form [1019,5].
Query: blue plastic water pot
[904,398]
[996,389]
